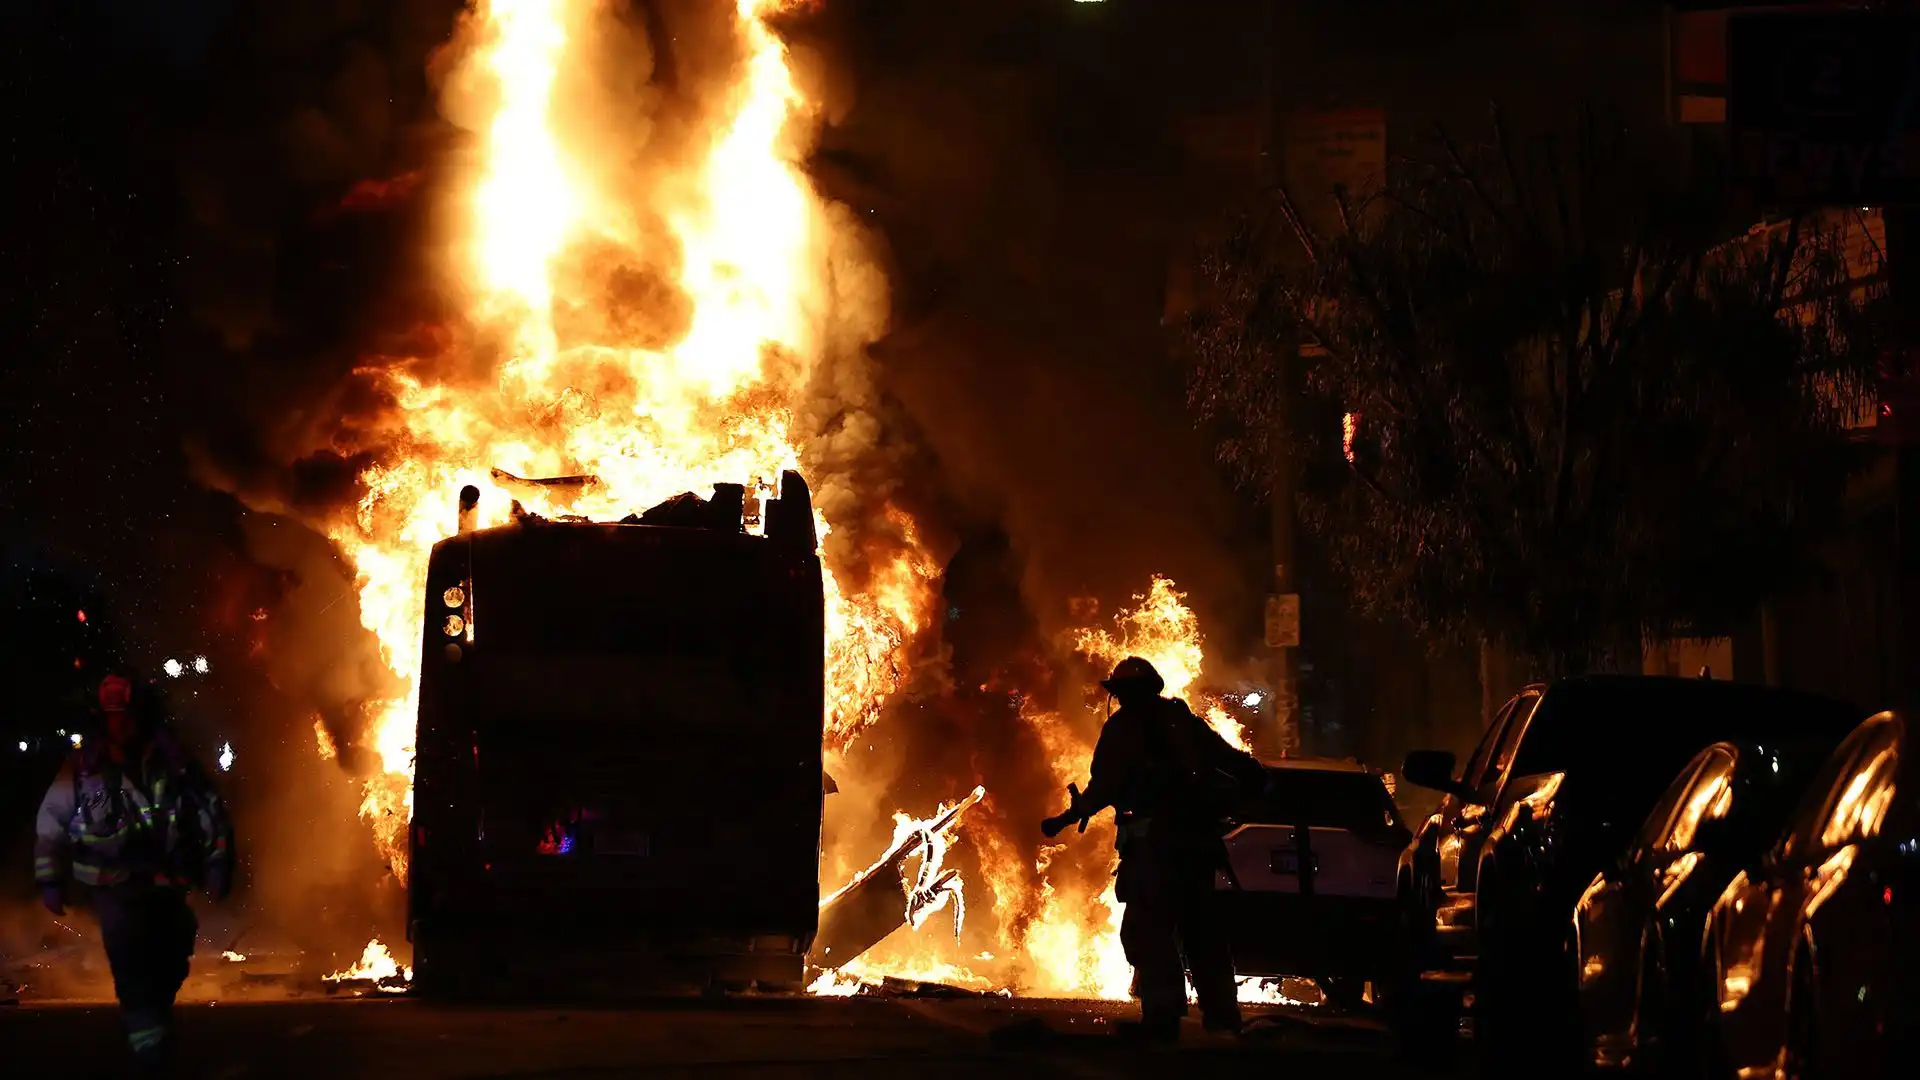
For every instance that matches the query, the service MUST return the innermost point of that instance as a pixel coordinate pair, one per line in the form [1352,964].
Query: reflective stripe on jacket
[99,826]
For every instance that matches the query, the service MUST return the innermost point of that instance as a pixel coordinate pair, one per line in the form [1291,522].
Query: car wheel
[1660,1030]
[1709,1057]
[1424,1022]
[1802,1049]
[1423,1018]
[1525,989]
[433,973]
[1344,992]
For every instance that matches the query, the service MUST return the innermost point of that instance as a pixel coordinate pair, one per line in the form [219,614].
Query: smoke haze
[992,361]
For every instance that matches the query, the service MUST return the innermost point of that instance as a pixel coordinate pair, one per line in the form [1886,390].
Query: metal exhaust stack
[469,508]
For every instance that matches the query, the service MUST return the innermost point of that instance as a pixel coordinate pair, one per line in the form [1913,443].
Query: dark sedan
[1811,952]
[1566,774]
[1637,927]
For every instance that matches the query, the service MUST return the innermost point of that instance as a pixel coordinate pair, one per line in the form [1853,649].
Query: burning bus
[619,746]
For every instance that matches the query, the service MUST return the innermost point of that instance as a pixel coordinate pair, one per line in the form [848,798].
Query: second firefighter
[1160,766]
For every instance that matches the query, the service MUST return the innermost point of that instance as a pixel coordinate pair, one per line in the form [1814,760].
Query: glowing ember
[838,982]
[324,741]
[376,965]
[232,957]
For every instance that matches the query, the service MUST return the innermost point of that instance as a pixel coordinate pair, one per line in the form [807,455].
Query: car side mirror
[1434,769]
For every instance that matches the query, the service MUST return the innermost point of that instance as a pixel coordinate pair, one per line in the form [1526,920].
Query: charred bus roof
[785,522]
[690,565]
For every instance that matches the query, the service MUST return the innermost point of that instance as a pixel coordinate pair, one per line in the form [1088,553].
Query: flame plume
[580,391]
[663,326]
[1058,921]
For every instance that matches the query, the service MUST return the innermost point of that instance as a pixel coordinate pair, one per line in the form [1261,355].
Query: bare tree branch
[1576,422]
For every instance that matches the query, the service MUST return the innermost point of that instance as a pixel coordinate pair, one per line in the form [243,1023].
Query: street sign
[1344,148]
[1824,107]
[1283,621]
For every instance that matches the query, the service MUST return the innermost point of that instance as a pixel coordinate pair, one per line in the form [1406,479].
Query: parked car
[1313,889]
[1562,778]
[1638,924]
[1811,953]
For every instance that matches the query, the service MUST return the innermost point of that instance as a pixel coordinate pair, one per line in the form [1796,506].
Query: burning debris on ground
[881,899]
[376,971]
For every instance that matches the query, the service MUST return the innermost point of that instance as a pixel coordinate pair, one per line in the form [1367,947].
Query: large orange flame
[1058,922]
[1164,631]
[579,392]
[653,404]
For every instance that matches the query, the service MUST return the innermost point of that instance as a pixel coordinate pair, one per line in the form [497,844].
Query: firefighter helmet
[1133,673]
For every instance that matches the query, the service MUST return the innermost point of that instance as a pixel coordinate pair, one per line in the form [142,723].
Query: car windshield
[1325,798]
[1626,739]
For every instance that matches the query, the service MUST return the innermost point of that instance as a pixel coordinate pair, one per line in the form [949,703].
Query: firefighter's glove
[219,882]
[55,899]
[1053,826]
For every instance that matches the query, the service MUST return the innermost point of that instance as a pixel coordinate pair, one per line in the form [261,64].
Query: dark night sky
[90,417]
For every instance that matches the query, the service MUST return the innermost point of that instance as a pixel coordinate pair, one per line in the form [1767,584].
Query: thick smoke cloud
[1025,208]
[1019,384]
[1028,206]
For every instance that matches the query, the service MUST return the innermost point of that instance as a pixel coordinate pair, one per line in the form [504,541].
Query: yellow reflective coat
[155,820]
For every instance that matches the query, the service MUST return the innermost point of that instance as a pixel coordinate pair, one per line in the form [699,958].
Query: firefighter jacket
[1158,763]
[152,819]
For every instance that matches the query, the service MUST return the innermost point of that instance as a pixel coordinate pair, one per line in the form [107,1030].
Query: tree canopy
[1544,404]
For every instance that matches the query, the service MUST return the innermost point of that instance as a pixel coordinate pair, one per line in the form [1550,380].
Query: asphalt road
[897,1038]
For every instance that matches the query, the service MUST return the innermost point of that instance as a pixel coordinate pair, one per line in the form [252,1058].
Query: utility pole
[1283,637]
